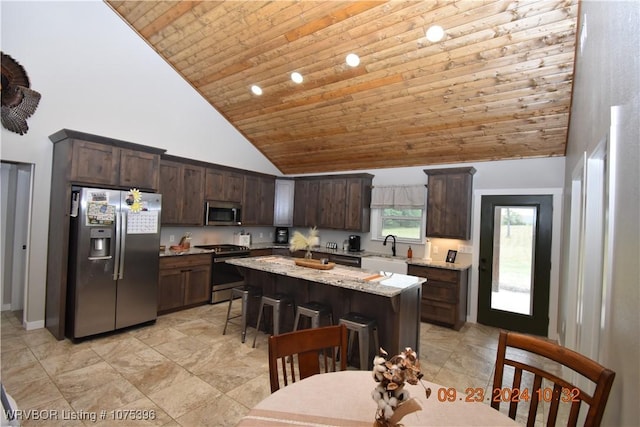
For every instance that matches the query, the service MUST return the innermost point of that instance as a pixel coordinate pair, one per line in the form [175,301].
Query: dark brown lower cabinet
[185,281]
[444,295]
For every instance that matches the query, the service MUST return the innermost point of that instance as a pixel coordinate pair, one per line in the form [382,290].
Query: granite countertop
[190,251]
[362,254]
[388,285]
[440,264]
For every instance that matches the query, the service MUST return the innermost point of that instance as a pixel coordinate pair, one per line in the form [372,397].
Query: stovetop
[223,249]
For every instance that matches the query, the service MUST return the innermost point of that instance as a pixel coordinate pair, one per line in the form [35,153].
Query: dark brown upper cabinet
[108,165]
[305,203]
[449,193]
[258,201]
[182,189]
[224,185]
[341,202]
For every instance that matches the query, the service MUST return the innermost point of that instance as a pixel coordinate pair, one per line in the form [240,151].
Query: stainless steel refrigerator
[113,260]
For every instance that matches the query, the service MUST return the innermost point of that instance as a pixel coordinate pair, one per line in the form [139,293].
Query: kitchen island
[392,299]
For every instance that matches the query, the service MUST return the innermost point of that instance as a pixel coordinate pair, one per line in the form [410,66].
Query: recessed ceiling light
[256,90]
[353,60]
[435,33]
[296,77]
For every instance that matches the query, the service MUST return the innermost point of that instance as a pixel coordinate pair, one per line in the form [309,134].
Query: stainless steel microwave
[222,213]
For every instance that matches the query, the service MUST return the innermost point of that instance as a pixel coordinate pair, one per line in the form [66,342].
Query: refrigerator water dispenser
[100,243]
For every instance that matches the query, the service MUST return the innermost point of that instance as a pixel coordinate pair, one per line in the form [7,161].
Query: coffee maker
[354,243]
[282,235]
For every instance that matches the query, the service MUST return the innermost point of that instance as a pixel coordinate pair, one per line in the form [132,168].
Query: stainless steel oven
[224,276]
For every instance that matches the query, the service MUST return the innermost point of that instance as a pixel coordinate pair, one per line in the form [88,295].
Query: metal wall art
[19,102]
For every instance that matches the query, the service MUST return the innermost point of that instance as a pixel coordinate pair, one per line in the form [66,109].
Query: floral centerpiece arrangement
[299,241]
[393,399]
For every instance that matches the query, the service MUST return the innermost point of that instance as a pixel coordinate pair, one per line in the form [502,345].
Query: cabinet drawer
[440,291]
[183,261]
[442,275]
[434,311]
[261,252]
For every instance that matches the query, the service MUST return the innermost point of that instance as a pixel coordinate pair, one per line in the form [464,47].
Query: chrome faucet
[393,245]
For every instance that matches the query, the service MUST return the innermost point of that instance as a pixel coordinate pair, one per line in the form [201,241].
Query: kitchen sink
[381,263]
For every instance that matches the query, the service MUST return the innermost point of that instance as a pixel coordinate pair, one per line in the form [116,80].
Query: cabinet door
[170,188]
[139,169]
[332,199]
[214,185]
[170,289]
[251,200]
[95,163]
[197,285]
[233,187]
[267,199]
[436,205]
[458,217]
[305,203]
[192,195]
[358,205]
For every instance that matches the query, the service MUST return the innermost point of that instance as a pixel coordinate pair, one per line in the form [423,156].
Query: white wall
[96,75]
[608,74]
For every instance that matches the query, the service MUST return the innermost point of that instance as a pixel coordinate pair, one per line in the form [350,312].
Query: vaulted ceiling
[497,86]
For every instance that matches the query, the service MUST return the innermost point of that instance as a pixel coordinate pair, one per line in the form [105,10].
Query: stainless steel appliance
[222,213]
[224,276]
[354,243]
[282,235]
[113,260]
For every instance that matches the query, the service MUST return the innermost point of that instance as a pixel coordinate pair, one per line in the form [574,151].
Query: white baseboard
[6,307]
[38,324]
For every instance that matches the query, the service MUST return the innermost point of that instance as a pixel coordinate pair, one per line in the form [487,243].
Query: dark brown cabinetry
[108,165]
[337,202]
[257,203]
[261,252]
[444,295]
[224,185]
[305,203]
[358,209]
[332,201]
[182,189]
[184,281]
[449,202]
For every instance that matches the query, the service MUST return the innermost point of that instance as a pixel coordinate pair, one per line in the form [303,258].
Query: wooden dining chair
[309,347]
[523,353]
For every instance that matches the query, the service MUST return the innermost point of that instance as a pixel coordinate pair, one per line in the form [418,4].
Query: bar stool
[364,327]
[314,310]
[243,292]
[276,302]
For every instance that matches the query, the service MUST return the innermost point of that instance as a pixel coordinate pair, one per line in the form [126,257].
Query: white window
[400,211]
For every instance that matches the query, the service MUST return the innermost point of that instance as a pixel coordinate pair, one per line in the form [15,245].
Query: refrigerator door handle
[123,240]
[116,253]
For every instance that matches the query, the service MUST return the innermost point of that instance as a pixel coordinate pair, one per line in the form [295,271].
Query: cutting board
[315,263]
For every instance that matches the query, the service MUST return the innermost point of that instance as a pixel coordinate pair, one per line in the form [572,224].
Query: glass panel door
[515,262]
[513,259]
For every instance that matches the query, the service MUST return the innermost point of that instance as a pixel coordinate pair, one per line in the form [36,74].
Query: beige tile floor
[184,372]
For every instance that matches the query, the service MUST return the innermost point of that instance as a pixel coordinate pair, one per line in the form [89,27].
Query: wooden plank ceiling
[497,86]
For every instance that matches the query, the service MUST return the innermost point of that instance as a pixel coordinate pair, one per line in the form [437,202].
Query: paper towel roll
[427,251]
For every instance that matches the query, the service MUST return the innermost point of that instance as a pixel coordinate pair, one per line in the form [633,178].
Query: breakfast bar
[392,299]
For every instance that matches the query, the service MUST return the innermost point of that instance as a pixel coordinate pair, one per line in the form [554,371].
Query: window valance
[399,196]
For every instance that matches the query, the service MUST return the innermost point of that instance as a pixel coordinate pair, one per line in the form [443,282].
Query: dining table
[344,398]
